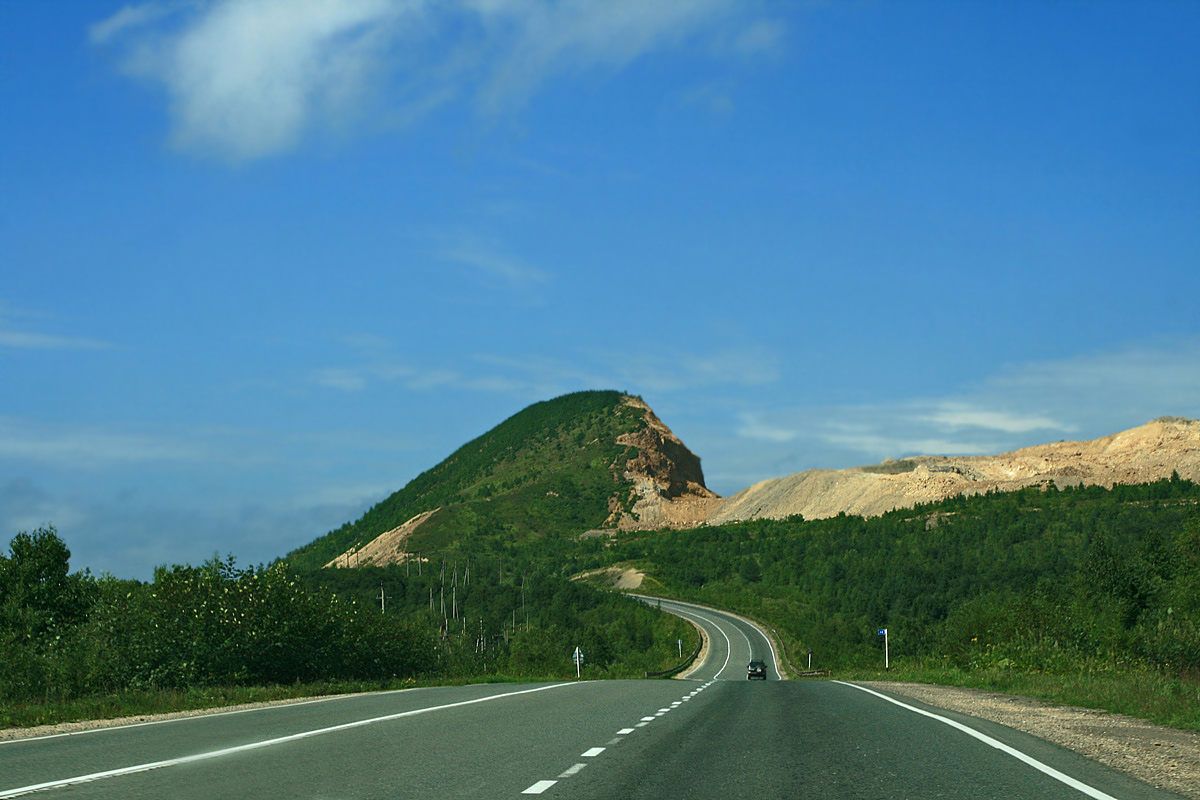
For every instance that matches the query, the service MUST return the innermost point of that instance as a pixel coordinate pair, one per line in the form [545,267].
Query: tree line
[1039,579]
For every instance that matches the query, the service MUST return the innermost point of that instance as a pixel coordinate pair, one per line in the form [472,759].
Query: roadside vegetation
[75,647]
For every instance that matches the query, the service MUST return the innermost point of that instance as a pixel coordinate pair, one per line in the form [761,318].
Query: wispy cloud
[23,340]
[14,338]
[1084,397]
[732,366]
[958,415]
[249,78]
[489,259]
[534,376]
[26,440]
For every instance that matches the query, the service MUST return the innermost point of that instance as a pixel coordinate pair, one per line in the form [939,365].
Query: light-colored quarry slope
[1147,453]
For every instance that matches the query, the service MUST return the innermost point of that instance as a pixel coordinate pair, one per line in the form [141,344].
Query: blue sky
[264,261]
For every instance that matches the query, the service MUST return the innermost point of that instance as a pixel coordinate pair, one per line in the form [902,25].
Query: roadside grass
[1162,699]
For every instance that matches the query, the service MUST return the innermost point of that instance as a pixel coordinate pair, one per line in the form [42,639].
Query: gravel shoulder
[1167,758]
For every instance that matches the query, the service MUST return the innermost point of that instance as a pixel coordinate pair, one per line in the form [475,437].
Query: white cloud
[250,78]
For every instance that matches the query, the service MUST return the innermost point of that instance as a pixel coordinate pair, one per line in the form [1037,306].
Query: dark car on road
[756,669]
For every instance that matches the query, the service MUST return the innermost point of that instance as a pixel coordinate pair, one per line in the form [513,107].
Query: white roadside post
[680,647]
[886,661]
[578,659]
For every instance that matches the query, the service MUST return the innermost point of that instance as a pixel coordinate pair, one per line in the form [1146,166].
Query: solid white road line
[1090,791]
[171,762]
[200,716]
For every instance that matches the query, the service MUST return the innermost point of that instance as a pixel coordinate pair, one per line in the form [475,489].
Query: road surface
[713,734]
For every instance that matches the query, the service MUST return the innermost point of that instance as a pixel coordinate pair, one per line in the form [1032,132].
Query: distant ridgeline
[551,470]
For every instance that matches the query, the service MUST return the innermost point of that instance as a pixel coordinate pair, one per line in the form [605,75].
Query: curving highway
[712,734]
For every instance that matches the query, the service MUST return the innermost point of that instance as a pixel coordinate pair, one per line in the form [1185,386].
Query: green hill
[551,470]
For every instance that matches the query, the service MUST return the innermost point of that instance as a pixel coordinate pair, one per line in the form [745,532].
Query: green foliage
[38,596]
[548,471]
[516,616]
[67,636]
[1029,580]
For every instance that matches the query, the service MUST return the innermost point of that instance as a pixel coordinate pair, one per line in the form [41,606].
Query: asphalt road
[714,734]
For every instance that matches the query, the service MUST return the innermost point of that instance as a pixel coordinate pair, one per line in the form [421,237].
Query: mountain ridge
[592,463]
[1139,455]
[558,468]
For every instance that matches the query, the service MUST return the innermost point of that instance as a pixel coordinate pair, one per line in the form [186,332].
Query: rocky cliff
[666,479]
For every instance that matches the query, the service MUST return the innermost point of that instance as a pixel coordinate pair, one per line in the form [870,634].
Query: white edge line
[209,713]
[999,745]
[170,762]
[728,644]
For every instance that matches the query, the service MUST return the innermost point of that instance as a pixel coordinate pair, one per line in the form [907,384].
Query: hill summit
[560,468]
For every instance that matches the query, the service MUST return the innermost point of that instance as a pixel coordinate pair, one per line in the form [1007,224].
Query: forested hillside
[1034,579]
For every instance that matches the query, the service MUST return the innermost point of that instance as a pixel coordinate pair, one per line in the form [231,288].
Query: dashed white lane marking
[539,787]
[542,786]
[1001,746]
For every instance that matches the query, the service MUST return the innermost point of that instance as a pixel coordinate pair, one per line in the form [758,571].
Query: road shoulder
[1167,758]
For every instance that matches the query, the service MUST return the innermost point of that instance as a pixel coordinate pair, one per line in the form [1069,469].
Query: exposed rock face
[386,548]
[1148,453]
[666,478]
